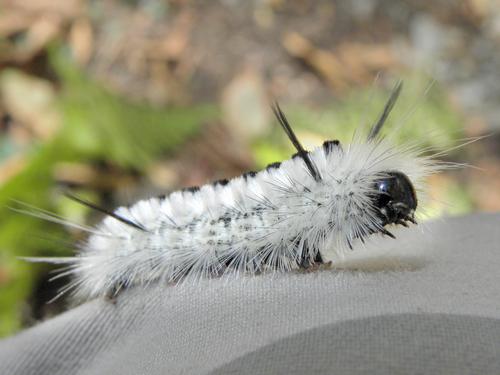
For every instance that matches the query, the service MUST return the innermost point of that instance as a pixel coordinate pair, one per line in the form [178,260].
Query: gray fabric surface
[403,343]
[426,303]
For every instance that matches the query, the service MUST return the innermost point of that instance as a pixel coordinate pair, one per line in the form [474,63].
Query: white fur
[251,225]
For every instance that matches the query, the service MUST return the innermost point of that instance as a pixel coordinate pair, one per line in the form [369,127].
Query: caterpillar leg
[307,262]
[111,295]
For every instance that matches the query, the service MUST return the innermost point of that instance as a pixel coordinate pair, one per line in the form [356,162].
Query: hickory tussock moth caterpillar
[293,214]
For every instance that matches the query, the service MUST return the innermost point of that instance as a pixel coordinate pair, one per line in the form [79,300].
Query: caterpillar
[297,213]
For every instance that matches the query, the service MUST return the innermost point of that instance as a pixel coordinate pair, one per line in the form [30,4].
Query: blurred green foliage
[96,126]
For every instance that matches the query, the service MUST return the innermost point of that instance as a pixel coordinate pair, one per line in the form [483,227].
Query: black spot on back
[248,175]
[329,146]
[274,165]
[191,189]
[222,182]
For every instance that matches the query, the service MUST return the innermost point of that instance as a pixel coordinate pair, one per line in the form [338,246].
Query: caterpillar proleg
[293,214]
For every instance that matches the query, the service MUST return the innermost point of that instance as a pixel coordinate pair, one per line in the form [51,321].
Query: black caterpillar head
[395,199]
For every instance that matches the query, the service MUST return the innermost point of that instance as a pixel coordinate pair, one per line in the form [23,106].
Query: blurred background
[117,100]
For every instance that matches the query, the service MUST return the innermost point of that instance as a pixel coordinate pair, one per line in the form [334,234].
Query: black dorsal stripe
[313,170]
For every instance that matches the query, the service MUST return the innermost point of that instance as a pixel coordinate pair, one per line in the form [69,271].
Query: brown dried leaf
[324,63]
[30,101]
[77,174]
[13,21]
[63,8]
[351,63]
[81,40]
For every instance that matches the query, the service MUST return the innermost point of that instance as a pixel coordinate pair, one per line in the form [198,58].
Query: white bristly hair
[310,207]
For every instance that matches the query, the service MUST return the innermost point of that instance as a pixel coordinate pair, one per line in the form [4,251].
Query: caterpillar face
[395,199]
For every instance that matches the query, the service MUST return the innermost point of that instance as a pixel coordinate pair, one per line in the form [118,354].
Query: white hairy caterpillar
[294,214]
